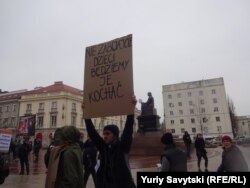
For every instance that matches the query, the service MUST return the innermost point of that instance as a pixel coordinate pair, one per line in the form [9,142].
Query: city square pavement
[37,176]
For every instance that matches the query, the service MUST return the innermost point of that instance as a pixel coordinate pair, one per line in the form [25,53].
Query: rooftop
[56,87]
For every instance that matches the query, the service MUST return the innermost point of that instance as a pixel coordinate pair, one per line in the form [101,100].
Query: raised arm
[93,134]
[127,135]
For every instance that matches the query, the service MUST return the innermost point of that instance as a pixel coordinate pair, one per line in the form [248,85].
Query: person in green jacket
[70,167]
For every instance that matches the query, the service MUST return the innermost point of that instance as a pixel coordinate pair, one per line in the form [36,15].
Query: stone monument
[148,120]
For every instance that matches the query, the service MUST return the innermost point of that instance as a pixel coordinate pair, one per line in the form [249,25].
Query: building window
[217,118]
[173,130]
[14,107]
[73,107]
[201,93]
[54,105]
[202,110]
[193,130]
[182,130]
[73,120]
[171,113]
[215,100]
[189,94]
[5,121]
[204,120]
[0,109]
[213,91]
[172,121]
[180,103]
[190,103]
[40,122]
[181,121]
[170,96]
[41,107]
[7,108]
[171,104]
[205,130]
[202,101]
[53,120]
[243,123]
[13,121]
[219,129]
[180,112]
[191,111]
[28,108]
[216,109]
[192,120]
[179,95]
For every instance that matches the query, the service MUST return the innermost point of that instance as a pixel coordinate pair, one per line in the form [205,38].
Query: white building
[243,125]
[197,107]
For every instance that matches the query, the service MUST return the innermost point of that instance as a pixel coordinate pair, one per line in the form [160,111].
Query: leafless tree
[233,117]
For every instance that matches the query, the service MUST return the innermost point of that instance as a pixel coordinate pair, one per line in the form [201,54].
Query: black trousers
[188,148]
[87,172]
[26,162]
[204,156]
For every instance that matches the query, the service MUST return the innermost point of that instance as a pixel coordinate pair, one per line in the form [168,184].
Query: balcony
[53,110]
[41,110]
[28,111]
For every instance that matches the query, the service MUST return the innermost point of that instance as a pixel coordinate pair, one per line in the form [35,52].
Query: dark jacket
[89,154]
[187,139]
[200,146]
[175,160]
[37,145]
[114,170]
[233,161]
[24,150]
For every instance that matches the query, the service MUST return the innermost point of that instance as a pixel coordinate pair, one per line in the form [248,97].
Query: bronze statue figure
[147,108]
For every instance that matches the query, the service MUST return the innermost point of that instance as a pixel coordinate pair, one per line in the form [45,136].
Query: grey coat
[233,161]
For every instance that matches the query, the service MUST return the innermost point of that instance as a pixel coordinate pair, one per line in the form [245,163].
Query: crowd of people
[70,161]
[175,160]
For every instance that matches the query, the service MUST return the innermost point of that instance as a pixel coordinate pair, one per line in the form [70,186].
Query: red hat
[226,138]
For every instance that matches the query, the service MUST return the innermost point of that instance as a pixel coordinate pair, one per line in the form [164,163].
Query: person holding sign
[114,169]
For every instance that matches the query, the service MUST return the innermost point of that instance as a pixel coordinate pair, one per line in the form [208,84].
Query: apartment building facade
[55,106]
[59,105]
[9,109]
[197,107]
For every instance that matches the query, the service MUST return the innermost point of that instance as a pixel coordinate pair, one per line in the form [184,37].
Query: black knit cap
[112,128]
[167,138]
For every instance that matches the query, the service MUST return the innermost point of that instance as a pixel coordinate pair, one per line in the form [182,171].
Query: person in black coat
[201,151]
[36,149]
[188,142]
[24,151]
[89,161]
[114,170]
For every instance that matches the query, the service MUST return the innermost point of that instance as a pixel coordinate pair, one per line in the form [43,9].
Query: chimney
[58,82]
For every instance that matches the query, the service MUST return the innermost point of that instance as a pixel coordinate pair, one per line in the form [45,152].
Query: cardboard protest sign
[108,79]
[27,125]
[5,139]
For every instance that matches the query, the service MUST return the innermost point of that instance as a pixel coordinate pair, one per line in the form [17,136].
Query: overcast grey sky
[44,41]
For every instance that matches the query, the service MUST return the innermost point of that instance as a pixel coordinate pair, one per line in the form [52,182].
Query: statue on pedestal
[148,120]
[147,108]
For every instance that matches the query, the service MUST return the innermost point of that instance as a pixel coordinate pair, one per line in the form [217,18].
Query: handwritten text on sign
[108,74]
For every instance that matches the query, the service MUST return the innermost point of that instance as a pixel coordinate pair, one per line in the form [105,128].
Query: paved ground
[138,163]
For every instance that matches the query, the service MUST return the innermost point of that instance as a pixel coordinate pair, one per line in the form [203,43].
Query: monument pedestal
[149,123]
